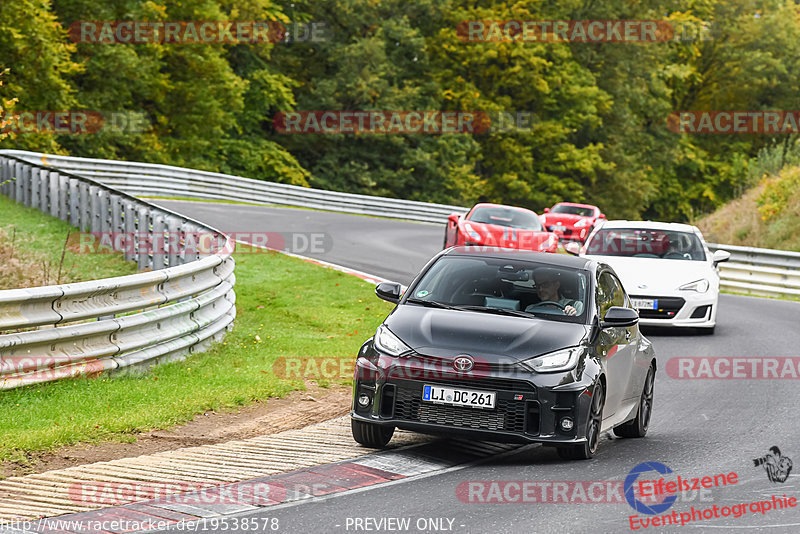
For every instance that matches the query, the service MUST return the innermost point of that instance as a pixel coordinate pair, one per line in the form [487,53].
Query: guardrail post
[175,240]
[9,188]
[16,169]
[144,240]
[189,234]
[33,186]
[44,191]
[129,218]
[103,211]
[116,222]
[94,208]
[63,197]
[74,203]
[159,241]
[83,206]
[54,194]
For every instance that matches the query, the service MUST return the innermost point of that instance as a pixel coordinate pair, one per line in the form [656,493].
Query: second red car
[571,222]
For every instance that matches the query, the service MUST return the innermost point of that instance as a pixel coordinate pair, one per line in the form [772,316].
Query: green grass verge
[32,244]
[296,308]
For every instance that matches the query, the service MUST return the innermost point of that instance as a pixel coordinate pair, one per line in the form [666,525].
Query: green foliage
[778,193]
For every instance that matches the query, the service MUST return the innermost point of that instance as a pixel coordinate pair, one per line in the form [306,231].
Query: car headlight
[472,233]
[560,360]
[701,286]
[389,343]
[581,223]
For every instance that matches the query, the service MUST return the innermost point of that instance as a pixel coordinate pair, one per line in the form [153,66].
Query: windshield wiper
[499,311]
[431,304]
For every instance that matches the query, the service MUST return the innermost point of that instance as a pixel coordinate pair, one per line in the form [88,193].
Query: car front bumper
[681,309]
[529,407]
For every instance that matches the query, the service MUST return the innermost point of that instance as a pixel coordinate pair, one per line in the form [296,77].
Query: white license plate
[645,304]
[458,396]
[559,228]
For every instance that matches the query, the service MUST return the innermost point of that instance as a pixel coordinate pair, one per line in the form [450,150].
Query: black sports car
[506,346]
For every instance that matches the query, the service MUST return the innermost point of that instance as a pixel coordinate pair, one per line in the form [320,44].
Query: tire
[371,435]
[637,427]
[588,449]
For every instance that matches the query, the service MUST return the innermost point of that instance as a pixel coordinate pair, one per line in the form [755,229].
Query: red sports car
[496,225]
[571,222]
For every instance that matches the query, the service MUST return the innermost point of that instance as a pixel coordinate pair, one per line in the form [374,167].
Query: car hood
[661,277]
[509,237]
[447,333]
[564,218]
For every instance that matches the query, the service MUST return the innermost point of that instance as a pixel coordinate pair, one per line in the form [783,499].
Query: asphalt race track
[700,427]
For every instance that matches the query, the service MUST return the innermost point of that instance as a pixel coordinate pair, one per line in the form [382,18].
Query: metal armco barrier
[759,271]
[146,179]
[181,303]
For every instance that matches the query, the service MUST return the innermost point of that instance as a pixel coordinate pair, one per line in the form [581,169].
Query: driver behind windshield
[548,286]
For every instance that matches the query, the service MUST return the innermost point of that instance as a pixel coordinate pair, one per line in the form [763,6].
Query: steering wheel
[562,307]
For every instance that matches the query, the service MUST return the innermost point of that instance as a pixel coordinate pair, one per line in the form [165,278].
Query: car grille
[479,382]
[668,307]
[508,416]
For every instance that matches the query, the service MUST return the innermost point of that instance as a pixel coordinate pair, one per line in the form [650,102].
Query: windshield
[645,243]
[514,286]
[506,217]
[573,210]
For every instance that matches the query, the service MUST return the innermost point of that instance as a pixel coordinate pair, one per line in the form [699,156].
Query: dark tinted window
[506,217]
[573,210]
[504,283]
[646,243]
[609,293]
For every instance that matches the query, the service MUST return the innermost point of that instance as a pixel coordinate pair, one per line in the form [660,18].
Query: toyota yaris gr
[506,346]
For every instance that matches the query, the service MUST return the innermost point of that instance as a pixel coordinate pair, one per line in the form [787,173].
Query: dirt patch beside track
[296,410]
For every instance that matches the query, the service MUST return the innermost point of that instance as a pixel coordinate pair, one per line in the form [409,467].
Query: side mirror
[388,291]
[720,256]
[601,216]
[573,248]
[619,316]
[547,210]
[453,218]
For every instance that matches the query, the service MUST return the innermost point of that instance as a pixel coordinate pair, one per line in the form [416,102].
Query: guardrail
[147,179]
[181,304]
[760,271]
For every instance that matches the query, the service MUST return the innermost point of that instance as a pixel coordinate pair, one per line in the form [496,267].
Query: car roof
[557,260]
[651,225]
[576,205]
[490,205]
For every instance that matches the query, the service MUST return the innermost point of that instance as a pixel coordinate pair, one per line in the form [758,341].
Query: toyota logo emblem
[463,364]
